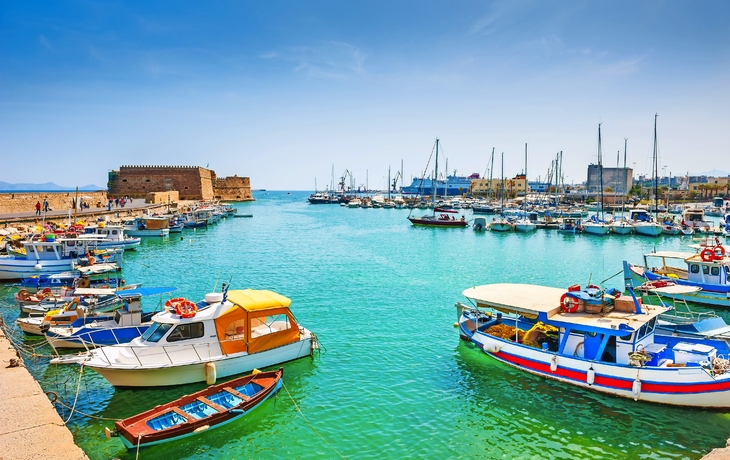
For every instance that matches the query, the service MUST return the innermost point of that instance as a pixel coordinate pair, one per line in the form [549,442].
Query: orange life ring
[173,303]
[186,309]
[718,252]
[569,304]
[707,255]
[593,286]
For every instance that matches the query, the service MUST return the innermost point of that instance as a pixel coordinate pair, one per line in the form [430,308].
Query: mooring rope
[308,422]
[76,398]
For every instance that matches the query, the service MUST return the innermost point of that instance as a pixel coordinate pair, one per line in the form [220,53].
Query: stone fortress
[160,183]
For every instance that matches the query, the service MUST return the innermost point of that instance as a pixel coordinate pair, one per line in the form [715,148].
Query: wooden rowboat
[198,412]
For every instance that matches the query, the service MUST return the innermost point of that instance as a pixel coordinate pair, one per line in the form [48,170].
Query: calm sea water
[393,379]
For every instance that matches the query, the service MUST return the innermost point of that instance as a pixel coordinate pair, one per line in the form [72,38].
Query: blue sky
[281,91]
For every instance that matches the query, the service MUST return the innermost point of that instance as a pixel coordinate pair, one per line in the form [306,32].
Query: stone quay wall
[233,188]
[191,182]
[25,201]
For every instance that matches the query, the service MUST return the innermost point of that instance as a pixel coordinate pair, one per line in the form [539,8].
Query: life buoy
[23,294]
[186,309]
[173,303]
[718,252]
[707,255]
[83,283]
[569,304]
[593,286]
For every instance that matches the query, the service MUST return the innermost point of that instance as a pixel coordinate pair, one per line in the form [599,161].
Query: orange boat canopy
[258,320]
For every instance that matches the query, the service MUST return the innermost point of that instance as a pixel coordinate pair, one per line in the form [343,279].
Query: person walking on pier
[45,204]
[38,208]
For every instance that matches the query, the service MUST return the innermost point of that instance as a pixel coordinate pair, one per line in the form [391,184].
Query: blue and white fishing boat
[552,333]
[127,324]
[56,256]
[708,270]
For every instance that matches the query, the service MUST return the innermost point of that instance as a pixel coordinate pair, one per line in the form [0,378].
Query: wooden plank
[237,394]
[215,406]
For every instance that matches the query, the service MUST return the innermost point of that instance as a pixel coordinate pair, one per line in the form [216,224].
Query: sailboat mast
[436,172]
[388,183]
[626,141]
[600,166]
[491,171]
[525,180]
[656,173]
[502,210]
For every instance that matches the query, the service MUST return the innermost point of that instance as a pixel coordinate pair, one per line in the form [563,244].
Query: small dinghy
[198,412]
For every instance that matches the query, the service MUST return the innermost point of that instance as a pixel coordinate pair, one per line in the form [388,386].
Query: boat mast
[446,181]
[502,206]
[435,173]
[388,184]
[525,202]
[656,174]
[600,167]
[623,211]
[491,171]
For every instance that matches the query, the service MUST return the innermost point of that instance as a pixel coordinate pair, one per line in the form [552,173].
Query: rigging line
[310,425]
[612,276]
[96,417]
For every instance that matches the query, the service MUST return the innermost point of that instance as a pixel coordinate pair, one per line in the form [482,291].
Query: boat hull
[648,229]
[168,375]
[12,268]
[679,386]
[133,437]
[426,222]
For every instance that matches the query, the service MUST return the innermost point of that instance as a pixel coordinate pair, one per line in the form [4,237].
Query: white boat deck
[528,299]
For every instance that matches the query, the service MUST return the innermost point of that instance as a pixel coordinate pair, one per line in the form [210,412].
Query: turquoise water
[393,379]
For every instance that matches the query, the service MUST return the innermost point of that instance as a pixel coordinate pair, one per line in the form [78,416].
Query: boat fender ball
[181,238]
[636,388]
[554,363]
[210,373]
[456,324]
[590,376]
[38,266]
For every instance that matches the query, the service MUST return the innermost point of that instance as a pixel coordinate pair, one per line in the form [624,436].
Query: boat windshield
[155,332]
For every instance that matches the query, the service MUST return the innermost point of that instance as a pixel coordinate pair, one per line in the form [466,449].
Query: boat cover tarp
[254,309]
[520,298]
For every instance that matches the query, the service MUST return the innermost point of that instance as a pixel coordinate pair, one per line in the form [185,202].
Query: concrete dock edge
[30,427]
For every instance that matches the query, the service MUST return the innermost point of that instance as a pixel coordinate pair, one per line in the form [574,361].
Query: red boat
[198,412]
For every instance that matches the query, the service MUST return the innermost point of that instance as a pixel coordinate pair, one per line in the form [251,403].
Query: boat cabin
[245,321]
[639,215]
[64,248]
[693,267]
[610,335]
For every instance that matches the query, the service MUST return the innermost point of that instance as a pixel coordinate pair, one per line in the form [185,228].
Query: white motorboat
[226,334]
[56,256]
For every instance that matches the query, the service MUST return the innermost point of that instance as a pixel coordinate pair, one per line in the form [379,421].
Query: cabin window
[714,271]
[705,270]
[694,268]
[236,330]
[114,232]
[70,243]
[269,325]
[155,332]
[626,338]
[186,332]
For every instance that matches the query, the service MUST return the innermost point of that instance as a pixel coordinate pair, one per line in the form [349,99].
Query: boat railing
[165,354]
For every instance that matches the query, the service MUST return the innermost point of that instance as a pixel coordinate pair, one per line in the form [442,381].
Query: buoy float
[456,324]
[590,376]
[38,266]
[210,373]
[554,364]
[636,388]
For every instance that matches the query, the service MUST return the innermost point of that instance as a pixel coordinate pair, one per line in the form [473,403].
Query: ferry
[454,186]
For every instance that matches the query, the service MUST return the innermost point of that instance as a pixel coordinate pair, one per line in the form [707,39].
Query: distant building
[515,186]
[191,183]
[619,180]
